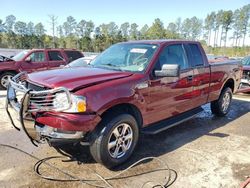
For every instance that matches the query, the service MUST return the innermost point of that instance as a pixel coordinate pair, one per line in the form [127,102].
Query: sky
[138,11]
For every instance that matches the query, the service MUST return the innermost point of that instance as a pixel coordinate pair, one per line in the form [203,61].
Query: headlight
[78,103]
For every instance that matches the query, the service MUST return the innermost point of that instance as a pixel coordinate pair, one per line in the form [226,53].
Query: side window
[195,55]
[55,56]
[173,54]
[37,57]
[73,55]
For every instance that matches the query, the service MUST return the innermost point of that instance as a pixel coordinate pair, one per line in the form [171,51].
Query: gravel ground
[205,152]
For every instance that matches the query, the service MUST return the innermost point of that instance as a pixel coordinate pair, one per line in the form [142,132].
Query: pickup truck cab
[131,88]
[35,60]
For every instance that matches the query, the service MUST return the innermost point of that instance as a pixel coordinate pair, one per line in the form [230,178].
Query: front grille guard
[26,107]
[40,101]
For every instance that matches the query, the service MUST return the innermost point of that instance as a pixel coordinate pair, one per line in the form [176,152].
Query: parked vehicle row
[35,60]
[129,89]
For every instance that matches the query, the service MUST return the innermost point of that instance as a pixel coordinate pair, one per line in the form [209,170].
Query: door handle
[190,78]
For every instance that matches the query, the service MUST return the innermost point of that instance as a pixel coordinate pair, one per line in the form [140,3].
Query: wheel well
[12,71]
[229,83]
[128,108]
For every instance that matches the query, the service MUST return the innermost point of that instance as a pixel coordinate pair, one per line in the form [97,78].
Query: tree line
[214,31]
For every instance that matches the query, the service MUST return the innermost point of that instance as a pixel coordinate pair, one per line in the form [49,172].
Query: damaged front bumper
[19,107]
[244,86]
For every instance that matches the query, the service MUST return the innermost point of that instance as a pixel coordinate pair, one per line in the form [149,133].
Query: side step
[170,122]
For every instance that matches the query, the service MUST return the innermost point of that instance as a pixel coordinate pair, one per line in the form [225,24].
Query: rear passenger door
[55,59]
[201,74]
[73,55]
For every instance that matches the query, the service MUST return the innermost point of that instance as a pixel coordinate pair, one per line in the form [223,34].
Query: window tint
[37,57]
[196,57]
[55,56]
[73,55]
[173,54]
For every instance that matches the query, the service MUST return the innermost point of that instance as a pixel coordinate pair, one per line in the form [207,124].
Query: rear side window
[55,56]
[73,55]
[194,55]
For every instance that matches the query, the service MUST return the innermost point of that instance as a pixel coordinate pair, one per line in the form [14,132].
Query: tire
[3,79]
[221,106]
[108,145]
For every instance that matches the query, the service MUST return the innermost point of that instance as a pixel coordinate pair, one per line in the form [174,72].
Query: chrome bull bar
[29,103]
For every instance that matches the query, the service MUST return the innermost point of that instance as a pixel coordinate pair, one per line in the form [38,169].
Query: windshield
[126,57]
[246,61]
[20,55]
[77,63]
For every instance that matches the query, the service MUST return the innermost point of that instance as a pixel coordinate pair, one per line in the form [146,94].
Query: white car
[83,61]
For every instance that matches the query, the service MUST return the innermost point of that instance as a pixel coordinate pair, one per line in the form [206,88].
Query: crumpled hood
[74,78]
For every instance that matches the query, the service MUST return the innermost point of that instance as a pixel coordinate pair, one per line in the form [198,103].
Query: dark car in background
[35,60]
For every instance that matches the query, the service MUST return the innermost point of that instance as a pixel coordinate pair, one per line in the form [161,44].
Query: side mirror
[28,59]
[168,70]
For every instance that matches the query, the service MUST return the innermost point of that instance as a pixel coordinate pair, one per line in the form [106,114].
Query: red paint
[23,65]
[161,99]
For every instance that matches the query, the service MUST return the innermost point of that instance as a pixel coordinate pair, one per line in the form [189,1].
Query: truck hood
[74,78]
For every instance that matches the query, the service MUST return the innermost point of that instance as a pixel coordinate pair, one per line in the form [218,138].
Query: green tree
[133,32]
[209,25]
[125,29]
[218,23]
[196,28]
[237,26]
[244,19]
[144,32]
[226,24]
[157,30]
[9,22]
[69,26]
[186,28]
[40,33]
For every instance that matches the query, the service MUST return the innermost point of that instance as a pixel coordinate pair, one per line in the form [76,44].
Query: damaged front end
[244,86]
[24,103]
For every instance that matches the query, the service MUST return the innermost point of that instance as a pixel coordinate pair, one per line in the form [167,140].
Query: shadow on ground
[173,138]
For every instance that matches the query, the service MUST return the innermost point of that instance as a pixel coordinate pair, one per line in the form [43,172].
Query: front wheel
[221,106]
[4,79]
[115,140]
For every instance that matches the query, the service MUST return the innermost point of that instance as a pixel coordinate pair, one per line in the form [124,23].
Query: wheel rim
[5,80]
[120,140]
[226,102]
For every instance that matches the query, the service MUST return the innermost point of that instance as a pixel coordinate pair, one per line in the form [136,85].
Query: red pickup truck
[35,60]
[129,89]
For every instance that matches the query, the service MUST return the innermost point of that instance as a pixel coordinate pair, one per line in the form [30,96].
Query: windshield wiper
[116,67]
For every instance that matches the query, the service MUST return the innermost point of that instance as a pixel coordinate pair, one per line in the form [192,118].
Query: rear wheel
[4,79]
[221,106]
[114,140]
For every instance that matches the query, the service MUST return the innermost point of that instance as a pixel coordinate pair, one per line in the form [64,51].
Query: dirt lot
[205,152]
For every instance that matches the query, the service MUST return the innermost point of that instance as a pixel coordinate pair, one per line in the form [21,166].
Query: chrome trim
[51,132]
[39,100]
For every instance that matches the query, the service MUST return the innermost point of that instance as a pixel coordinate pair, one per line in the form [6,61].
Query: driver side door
[35,61]
[169,96]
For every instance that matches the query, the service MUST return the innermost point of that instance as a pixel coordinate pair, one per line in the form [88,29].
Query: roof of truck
[160,41]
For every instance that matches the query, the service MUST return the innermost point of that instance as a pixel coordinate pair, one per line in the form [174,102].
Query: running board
[170,122]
